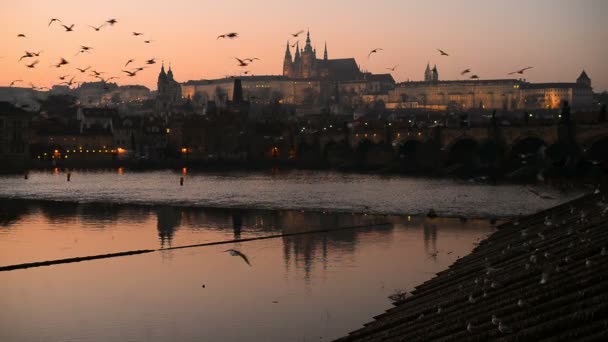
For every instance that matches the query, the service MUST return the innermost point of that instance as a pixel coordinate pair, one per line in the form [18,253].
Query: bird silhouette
[374,51]
[27,55]
[68,28]
[97,28]
[230,35]
[295,35]
[62,62]
[129,62]
[234,252]
[33,65]
[36,54]
[63,77]
[20,35]
[97,73]
[520,71]
[111,21]
[137,34]
[465,71]
[83,70]
[393,68]
[475,77]
[442,53]
[14,82]
[241,62]
[251,59]
[294,44]
[246,72]
[148,41]
[69,83]
[130,73]
[53,20]
[151,61]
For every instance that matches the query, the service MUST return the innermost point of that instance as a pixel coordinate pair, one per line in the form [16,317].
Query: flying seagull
[111,21]
[129,62]
[442,53]
[53,20]
[137,34]
[13,82]
[83,70]
[31,66]
[27,55]
[475,77]
[520,71]
[148,41]
[151,61]
[68,28]
[130,73]
[241,62]
[251,59]
[393,68]
[295,35]
[97,28]
[62,62]
[20,35]
[230,35]
[374,51]
[234,252]
[465,71]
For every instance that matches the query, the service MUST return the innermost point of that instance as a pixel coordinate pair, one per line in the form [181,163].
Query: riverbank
[542,276]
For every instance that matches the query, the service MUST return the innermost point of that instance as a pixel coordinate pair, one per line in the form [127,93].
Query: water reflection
[168,219]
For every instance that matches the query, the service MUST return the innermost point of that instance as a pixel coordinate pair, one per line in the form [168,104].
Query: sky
[559,38]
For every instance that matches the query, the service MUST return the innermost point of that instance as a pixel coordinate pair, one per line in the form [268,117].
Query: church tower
[428,75]
[435,74]
[287,63]
[584,80]
[297,63]
[308,59]
[325,52]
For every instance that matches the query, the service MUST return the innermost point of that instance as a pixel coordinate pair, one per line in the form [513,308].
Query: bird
[85,48]
[148,41]
[97,28]
[151,61]
[470,327]
[53,20]
[465,71]
[129,62]
[251,59]
[139,68]
[294,44]
[520,71]
[62,62]
[234,252]
[63,77]
[20,35]
[33,65]
[442,53]
[36,54]
[27,55]
[68,28]
[495,320]
[14,82]
[374,51]
[241,62]
[130,73]
[69,83]
[504,329]
[137,34]
[83,70]
[246,72]
[295,35]
[230,35]
[475,77]
[111,21]
[97,73]
[393,68]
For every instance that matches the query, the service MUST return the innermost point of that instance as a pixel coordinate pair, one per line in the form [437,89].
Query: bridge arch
[463,150]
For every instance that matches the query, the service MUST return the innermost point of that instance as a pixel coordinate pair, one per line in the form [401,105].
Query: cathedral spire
[308,38]
[325,51]
[170,72]
[287,51]
[297,55]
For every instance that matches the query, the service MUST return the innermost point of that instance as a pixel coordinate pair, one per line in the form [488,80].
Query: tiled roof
[543,277]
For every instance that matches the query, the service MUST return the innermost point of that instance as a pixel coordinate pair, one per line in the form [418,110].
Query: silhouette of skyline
[559,38]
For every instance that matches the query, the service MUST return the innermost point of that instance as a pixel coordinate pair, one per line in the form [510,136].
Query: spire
[428,68]
[287,51]
[170,72]
[308,38]
[325,51]
[297,56]
[162,72]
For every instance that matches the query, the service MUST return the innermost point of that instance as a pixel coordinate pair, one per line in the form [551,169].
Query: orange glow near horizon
[559,38]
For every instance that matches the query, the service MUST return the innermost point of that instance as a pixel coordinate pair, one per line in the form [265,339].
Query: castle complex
[310,81]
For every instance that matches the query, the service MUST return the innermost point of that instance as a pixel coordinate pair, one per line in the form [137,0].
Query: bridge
[383,143]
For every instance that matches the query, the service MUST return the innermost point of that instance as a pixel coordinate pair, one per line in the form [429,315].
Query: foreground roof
[544,277]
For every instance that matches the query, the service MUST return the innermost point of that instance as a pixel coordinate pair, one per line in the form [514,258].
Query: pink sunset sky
[559,38]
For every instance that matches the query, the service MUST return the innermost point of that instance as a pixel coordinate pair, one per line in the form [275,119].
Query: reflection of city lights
[121,150]
[120,170]
[184,170]
[184,150]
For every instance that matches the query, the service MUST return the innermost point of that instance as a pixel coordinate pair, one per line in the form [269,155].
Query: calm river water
[316,286]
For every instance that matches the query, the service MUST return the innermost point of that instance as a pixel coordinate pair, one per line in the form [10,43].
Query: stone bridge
[380,140]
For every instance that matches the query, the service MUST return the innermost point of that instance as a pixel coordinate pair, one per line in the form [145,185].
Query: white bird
[504,329]
[495,320]
[470,327]
[234,252]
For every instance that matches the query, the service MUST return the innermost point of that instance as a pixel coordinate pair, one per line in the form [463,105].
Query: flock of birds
[30,60]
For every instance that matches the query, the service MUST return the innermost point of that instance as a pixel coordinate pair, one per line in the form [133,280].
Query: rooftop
[544,276]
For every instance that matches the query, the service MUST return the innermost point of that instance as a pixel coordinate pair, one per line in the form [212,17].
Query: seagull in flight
[14,82]
[230,35]
[475,77]
[374,51]
[97,73]
[68,28]
[137,34]
[520,71]
[53,20]
[151,61]
[294,44]
[295,35]
[130,73]
[148,41]
[241,62]
[393,68]
[62,62]
[20,35]
[27,55]
[33,65]
[129,62]
[442,53]
[83,70]
[97,28]
[465,71]
[111,21]
[234,252]
[251,59]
